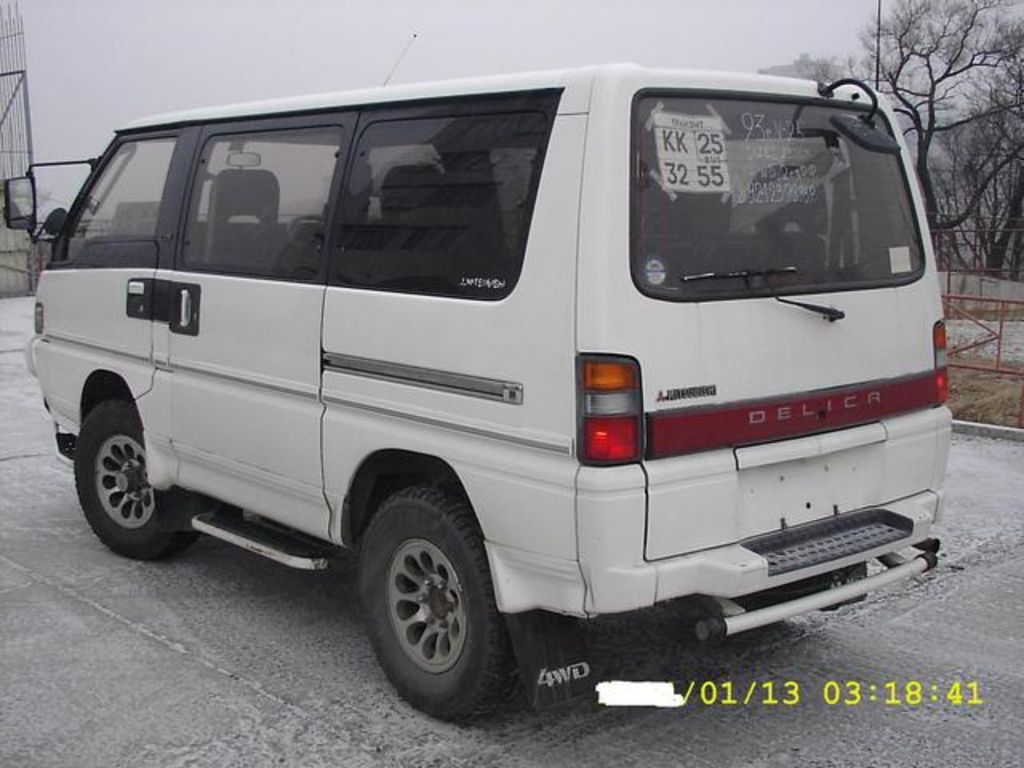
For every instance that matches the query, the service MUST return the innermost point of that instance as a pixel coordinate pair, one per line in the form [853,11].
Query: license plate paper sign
[691,153]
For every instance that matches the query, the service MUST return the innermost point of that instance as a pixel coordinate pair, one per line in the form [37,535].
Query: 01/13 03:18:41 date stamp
[791,693]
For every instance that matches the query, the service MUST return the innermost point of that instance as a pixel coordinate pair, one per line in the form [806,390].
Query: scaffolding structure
[18,268]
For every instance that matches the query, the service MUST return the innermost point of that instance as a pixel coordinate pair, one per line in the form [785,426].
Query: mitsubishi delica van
[538,348]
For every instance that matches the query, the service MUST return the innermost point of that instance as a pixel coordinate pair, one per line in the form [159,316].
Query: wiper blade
[829,313]
[744,274]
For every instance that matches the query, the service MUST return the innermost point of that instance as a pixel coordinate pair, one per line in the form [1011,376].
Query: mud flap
[552,657]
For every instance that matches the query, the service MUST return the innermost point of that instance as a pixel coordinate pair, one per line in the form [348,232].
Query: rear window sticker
[654,271]
[781,172]
[899,260]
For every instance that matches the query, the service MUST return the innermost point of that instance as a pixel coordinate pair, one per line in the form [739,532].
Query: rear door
[777,270]
[245,304]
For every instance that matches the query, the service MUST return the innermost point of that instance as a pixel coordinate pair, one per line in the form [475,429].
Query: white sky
[94,65]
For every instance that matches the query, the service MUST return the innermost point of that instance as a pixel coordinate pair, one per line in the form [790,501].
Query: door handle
[185,316]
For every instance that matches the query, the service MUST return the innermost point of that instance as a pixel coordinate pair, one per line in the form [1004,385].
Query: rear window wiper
[830,313]
[744,274]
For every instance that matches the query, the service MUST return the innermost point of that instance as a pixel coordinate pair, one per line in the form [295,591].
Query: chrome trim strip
[508,392]
[564,449]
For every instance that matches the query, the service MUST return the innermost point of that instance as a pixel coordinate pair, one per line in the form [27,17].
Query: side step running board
[291,548]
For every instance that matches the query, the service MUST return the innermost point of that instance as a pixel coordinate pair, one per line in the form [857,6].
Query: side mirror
[862,133]
[20,203]
[54,222]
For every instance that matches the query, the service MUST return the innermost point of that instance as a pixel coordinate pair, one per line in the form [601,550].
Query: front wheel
[121,507]
[426,589]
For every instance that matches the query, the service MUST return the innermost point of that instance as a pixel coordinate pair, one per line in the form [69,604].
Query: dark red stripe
[701,429]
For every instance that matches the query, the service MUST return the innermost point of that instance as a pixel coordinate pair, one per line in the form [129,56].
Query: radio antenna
[401,56]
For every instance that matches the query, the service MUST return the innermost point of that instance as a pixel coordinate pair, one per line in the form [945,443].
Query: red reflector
[701,429]
[611,439]
[942,385]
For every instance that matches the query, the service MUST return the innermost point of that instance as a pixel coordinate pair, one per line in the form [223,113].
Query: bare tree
[977,169]
[950,67]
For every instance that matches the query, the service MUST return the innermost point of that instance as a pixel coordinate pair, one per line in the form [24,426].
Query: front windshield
[734,197]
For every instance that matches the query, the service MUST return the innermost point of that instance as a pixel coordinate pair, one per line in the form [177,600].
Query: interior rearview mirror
[244,160]
[20,203]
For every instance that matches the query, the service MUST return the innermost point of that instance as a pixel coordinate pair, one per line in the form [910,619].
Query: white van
[539,347]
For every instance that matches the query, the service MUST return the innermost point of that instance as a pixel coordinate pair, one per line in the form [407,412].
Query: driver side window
[124,203]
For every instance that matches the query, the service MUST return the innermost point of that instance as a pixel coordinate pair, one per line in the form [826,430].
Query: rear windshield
[734,198]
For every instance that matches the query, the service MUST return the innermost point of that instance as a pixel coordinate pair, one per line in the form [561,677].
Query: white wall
[14,261]
[977,285]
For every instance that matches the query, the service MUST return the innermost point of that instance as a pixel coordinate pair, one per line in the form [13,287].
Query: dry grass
[985,397]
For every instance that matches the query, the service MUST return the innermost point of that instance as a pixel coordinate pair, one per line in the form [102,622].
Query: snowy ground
[218,658]
[963,332]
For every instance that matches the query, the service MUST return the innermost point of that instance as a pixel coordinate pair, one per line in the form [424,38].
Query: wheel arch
[102,385]
[388,471]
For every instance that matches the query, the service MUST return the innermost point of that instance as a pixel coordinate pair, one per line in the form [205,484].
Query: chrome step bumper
[828,540]
[735,620]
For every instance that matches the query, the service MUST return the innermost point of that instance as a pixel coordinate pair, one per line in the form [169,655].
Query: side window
[259,203]
[441,206]
[124,202]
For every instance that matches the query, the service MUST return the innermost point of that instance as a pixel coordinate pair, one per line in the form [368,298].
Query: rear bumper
[734,570]
[601,583]
[678,527]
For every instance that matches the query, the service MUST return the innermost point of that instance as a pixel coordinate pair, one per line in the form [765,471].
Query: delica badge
[691,152]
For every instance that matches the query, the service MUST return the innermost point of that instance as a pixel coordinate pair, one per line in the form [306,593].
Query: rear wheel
[121,507]
[426,588]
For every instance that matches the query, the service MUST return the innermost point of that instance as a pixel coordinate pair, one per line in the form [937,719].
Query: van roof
[578,84]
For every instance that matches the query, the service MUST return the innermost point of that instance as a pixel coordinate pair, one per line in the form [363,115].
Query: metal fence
[991,341]
[17,265]
[970,251]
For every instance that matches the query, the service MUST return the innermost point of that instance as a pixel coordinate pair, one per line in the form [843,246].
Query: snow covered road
[219,658]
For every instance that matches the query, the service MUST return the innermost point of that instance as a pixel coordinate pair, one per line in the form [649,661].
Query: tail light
[39,318]
[941,372]
[610,410]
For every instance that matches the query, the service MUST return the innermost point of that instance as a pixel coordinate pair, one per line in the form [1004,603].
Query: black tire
[479,676]
[110,449]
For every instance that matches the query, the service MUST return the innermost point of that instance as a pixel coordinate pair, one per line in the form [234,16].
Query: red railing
[985,351]
[981,302]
